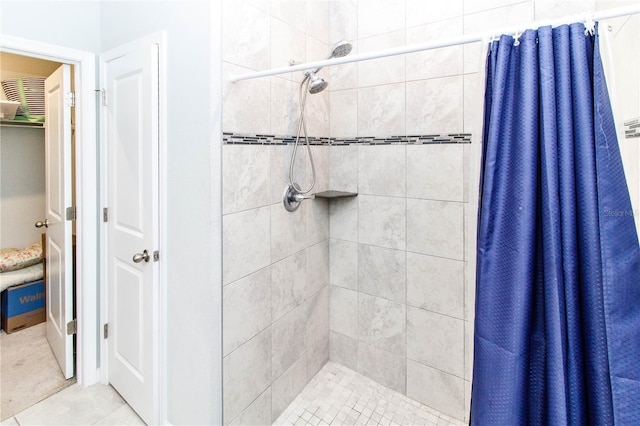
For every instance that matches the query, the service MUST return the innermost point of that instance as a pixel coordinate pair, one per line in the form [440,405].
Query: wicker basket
[30,93]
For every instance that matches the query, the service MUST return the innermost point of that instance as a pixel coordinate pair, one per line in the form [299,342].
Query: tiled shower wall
[397,269]
[399,308]
[424,92]
[275,263]
[275,294]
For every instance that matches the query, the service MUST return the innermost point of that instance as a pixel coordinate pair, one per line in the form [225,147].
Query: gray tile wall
[397,305]
[275,263]
[276,284]
[398,250]
[394,257]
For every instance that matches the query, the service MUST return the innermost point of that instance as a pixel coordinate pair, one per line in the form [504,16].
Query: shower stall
[373,282]
[379,283]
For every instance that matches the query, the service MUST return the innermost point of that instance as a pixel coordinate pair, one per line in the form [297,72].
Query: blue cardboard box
[22,306]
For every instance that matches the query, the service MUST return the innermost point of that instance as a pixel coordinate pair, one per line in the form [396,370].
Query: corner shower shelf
[335,194]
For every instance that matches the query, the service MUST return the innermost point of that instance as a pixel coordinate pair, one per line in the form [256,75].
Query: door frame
[86,183]
[159,329]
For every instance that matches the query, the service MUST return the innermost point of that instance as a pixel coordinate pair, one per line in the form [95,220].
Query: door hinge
[72,327]
[105,330]
[71,213]
[69,99]
[105,214]
[156,256]
[104,97]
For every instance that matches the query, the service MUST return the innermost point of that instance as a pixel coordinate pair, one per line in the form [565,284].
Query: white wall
[71,24]
[22,185]
[190,201]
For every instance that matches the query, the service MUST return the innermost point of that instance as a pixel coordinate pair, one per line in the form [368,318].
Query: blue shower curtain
[557,327]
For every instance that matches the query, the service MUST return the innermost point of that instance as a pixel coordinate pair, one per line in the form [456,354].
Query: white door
[130,77]
[59,259]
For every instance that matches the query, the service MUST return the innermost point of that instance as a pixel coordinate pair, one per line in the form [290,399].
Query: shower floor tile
[340,396]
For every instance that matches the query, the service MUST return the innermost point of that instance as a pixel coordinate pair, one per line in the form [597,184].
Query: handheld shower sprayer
[317,84]
[311,83]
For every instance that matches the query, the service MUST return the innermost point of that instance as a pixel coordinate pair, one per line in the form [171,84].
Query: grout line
[110,413]
[406,263]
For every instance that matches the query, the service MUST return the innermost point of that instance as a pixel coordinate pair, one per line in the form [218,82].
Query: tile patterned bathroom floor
[340,396]
[76,405]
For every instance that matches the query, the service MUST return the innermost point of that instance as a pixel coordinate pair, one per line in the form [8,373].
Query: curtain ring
[589,25]
[516,37]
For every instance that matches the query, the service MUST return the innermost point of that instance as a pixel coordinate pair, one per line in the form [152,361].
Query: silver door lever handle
[139,257]
[40,223]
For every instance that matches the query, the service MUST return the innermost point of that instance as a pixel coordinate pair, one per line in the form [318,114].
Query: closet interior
[28,366]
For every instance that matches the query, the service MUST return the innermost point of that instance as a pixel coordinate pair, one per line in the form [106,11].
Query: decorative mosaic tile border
[632,128]
[251,139]
[405,140]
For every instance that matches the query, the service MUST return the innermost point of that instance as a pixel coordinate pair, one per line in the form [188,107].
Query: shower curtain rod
[411,48]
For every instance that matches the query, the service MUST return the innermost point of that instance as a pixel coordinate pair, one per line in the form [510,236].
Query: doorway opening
[32,368]
[80,67]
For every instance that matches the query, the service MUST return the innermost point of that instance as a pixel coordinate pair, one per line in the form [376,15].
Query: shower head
[340,49]
[316,84]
